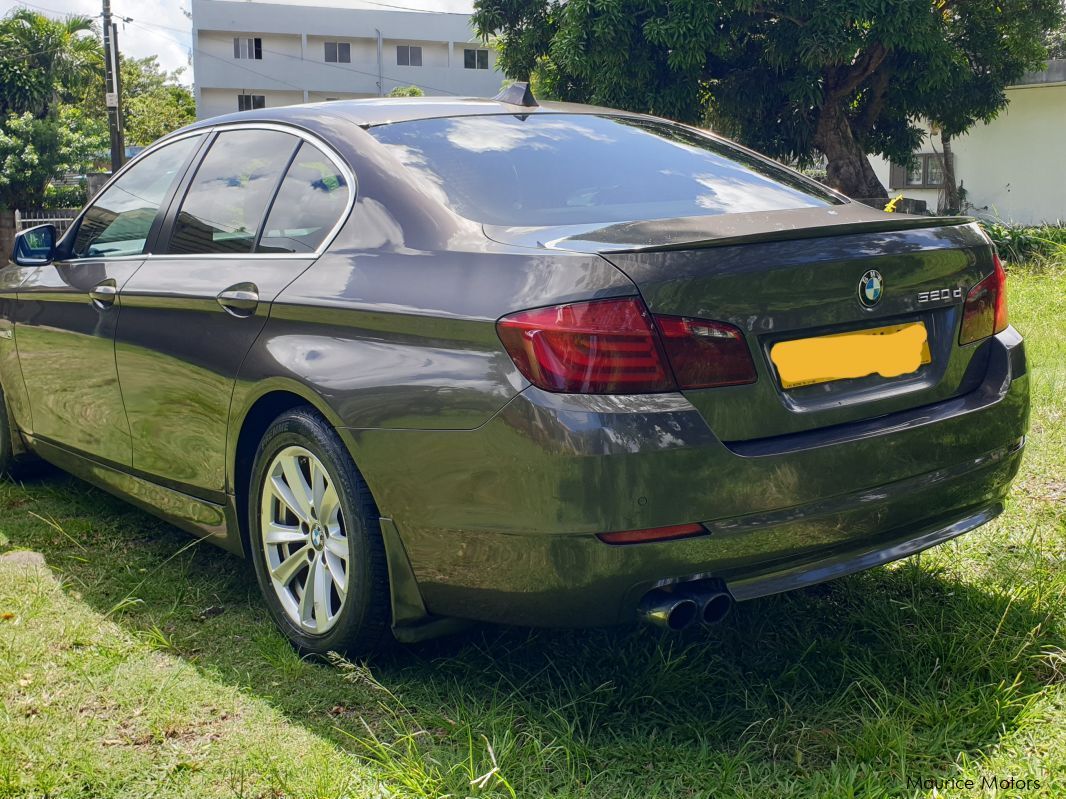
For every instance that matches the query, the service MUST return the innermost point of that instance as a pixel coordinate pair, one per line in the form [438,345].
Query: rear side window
[120,218]
[309,204]
[229,194]
[566,169]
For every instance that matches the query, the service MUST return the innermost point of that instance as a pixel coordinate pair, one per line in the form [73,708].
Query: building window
[475,59]
[248,102]
[408,55]
[248,48]
[926,171]
[338,53]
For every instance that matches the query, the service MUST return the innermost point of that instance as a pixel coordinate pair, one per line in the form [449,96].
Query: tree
[154,102]
[407,91]
[157,113]
[793,78]
[44,64]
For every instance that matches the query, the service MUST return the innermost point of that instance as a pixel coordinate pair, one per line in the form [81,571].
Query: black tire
[362,623]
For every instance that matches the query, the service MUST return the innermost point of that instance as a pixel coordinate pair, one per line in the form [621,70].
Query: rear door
[67,311]
[259,207]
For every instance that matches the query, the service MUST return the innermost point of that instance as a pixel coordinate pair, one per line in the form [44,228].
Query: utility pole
[113,89]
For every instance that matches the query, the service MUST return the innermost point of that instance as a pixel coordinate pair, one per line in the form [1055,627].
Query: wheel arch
[249,420]
[410,619]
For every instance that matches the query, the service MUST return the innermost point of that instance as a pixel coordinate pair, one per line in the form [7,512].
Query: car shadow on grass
[861,684]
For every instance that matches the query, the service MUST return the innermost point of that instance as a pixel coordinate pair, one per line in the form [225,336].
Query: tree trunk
[7,234]
[950,202]
[847,168]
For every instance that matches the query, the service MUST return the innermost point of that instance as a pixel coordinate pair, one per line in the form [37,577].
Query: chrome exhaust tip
[714,607]
[668,610]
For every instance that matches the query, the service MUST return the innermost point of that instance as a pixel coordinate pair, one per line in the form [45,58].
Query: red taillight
[597,347]
[617,347]
[985,312]
[705,354]
[653,534]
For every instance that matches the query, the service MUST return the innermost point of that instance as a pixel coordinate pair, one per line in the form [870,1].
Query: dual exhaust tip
[680,609]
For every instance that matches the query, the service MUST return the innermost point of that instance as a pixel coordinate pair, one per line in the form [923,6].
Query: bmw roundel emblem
[871,287]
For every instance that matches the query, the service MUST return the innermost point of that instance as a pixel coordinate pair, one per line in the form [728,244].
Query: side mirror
[35,246]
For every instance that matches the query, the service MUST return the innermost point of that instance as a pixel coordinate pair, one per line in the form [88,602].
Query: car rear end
[786,396]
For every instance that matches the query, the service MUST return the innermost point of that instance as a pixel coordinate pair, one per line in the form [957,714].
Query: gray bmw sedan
[434,360]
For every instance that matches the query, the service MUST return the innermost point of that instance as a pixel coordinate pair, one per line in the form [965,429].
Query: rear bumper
[498,523]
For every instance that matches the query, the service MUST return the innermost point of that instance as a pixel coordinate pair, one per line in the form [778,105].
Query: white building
[255,54]
[1013,169]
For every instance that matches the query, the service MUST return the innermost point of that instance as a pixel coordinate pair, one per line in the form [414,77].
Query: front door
[193,311]
[67,312]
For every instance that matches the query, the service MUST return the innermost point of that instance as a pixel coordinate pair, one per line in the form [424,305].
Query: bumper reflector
[653,534]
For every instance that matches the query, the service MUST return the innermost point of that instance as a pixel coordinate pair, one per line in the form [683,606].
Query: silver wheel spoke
[319,486]
[338,547]
[328,504]
[339,576]
[322,597]
[282,492]
[300,491]
[277,534]
[307,601]
[287,569]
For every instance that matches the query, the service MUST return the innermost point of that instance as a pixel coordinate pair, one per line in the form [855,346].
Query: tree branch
[876,100]
[851,78]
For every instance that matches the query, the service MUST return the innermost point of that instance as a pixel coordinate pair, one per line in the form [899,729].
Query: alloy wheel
[303,536]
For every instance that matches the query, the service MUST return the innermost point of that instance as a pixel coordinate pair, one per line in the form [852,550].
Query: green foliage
[45,61]
[45,65]
[1055,41]
[1018,243]
[32,152]
[407,91]
[790,77]
[157,112]
[64,196]
[154,102]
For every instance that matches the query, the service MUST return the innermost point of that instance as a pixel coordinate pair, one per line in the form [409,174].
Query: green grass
[139,663]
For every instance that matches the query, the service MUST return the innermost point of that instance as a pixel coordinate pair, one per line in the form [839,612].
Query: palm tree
[45,60]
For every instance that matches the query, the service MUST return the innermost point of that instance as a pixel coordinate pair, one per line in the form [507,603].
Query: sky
[162,27]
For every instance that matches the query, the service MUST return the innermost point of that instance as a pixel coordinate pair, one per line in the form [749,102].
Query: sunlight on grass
[141,663]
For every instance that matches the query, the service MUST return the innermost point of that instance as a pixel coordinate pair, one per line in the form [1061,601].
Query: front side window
[562,169]
[229,194]
[309,204]
[248,48]
[249,102]
[408,55]
[338,53]
[475,59]
[120,218]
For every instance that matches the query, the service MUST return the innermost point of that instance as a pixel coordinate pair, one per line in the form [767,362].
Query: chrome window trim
[292,130]
[156,145]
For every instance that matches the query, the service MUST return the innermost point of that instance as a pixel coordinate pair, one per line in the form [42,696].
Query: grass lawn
[139,663]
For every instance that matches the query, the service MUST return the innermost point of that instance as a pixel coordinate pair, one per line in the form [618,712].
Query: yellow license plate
[887,351]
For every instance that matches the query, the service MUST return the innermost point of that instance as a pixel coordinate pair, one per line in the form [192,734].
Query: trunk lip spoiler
[758,227]
[792,234]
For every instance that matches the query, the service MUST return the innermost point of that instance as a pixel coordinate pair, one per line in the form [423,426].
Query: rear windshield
[571,169]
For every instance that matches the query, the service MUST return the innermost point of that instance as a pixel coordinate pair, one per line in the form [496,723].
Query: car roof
[384,110]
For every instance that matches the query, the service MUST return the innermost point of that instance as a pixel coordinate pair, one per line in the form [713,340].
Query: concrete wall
[1014,168]
[294,66]
[215,102]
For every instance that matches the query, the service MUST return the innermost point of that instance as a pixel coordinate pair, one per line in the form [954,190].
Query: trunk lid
[788,275]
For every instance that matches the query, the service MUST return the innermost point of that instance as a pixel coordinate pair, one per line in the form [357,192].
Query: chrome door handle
[241,299]
[104,294]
